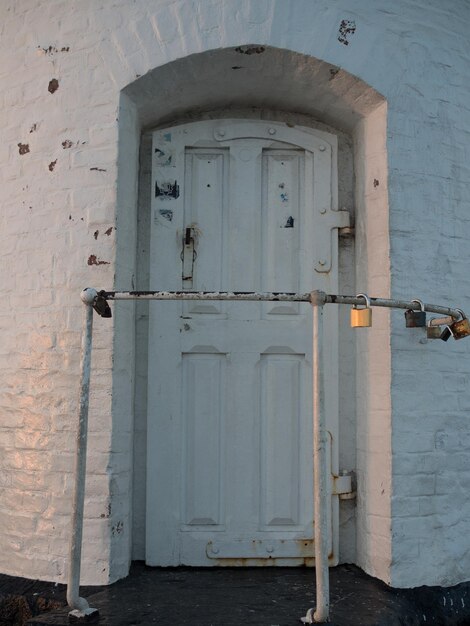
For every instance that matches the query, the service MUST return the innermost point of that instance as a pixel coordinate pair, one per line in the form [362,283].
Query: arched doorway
[278,85]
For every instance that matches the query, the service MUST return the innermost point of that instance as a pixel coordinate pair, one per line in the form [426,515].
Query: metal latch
[343,486]
[188,255]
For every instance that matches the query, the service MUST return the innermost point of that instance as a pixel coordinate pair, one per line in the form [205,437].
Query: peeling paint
[50,50]
[346,28]
[117,528]
[23,148]
[52,165]
[250,49]
[93,260]
[53,85]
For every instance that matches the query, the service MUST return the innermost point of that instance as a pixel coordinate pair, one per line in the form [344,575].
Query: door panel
[230,468]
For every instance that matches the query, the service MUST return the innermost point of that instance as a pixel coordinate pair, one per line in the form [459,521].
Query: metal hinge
[343,486]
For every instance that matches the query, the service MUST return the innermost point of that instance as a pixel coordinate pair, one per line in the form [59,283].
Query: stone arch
[251,79]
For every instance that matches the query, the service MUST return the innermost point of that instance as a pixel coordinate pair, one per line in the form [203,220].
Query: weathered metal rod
[255,296]
[80,607]
[320,464]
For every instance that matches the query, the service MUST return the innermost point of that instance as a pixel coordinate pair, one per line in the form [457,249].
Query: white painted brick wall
[57,211]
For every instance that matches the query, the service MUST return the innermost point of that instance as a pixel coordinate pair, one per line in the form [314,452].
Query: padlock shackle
[420,303]
[366,299]
[463,316]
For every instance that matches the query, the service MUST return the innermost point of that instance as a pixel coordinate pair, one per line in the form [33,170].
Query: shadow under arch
[257,77]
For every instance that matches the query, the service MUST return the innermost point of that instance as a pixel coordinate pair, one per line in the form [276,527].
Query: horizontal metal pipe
[206,295]
[394,304]
[255,296]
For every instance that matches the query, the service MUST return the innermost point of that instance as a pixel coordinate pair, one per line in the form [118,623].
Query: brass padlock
[361,318]
[460,328]
[433,332]
[415,319]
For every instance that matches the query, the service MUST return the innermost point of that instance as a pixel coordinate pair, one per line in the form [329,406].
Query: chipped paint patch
[97,169]
[250,50]
[51,50]
[94,260]
[95,234]
[23,148]
[53,85]
[346,28]
[67,144]
[33,128]
[289,222]
[52,165]
[108,231]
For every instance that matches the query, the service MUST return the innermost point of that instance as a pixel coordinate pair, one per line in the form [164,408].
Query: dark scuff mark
[167,190]
[23,148]
[290,222]
[237,67]
[109,231]
[96,233]
[70,217]
[33,128]
[117,528]
[53,50]
[250,49]
[334,71]
[67,144]
[346,28]
[167,214]
[97,169]
[93,260]
[53,85]
[376,182]
[52,165]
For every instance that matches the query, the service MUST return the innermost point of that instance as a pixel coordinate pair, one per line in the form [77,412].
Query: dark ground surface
[236,597]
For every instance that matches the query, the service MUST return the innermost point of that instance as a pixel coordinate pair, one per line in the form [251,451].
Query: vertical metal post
[80,607]
[320,468]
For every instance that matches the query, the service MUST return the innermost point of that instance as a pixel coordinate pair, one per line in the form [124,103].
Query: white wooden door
[241,206]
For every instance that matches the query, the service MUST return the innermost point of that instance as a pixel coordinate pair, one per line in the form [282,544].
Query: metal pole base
[87,616]
[310,618]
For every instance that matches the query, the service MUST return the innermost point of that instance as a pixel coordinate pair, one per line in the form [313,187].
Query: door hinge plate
[342,486]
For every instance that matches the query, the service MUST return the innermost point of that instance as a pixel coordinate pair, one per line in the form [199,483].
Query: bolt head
[322,148]
[272,131]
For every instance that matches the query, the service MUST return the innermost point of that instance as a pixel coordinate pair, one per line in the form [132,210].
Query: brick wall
[67,131]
